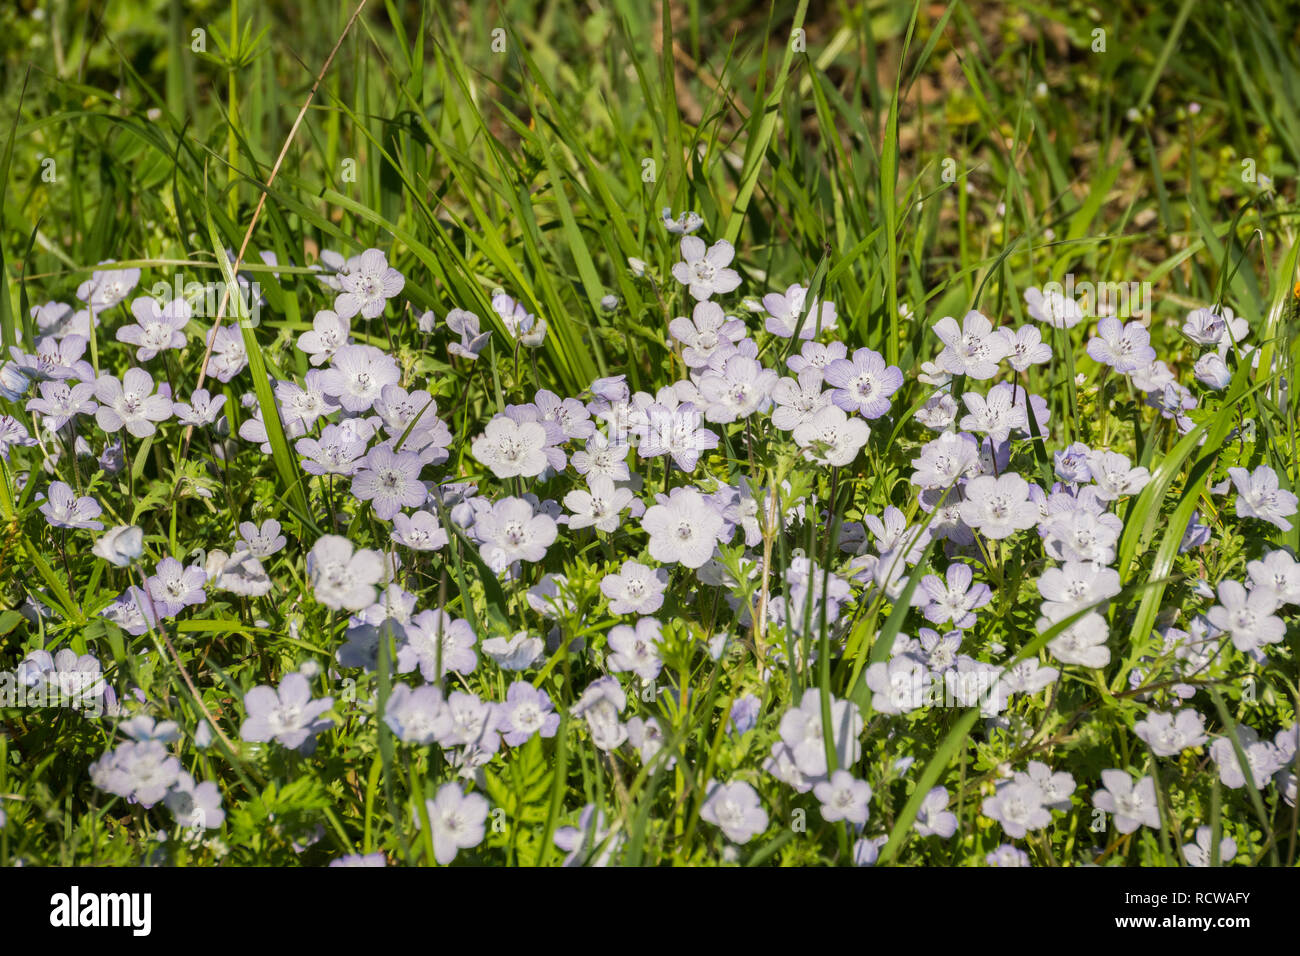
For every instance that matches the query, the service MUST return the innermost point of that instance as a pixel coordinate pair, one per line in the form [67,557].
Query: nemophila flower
[744,714]
[786,312]
[120,545]
[419,531]
[329,333]
[159,326]
[600,506]
[55,359]
[945,459]
[635,649]
[1076,585]
[1261,758]
[1132,803]
[735,809]
[1018,807]
[456,819]
[56,320]
[675,431]
[933,818]
[344,577]
[635,589]
[66,679]
[551,596]
[417,715]
[133,612]
[898,686]
[708,329]
[1007,855]
[1170,734]
[684,224]
[512,531]
[703,269]
[138,771]
[244,575]
[995,414]
[973,349]
[590,843]
[647,737]
[107,287]
[1028,677]
[472,723]
[736,388]
[301,405]
[357,374]
[1172,401]
[1152,376]
[526,711]
[1071,463]
[864,383]
[938,651]
[1276,574]
[1247,616]
[602,457]
[1124,347]
[515,653]
[683,530]
[201,410]
[466,325]
[815,356]
[14,381]
[261,541]
[64,509]
[229,356]
[1055,787]
[600,705]
[569,414]
[1114,476]
[797,401]
[1212,372]
[1200,853]
[1082,643]
[1025,347]
[144,727]
[1080,536]
[1206,326]
[14,434]
[338,451]
[831,437]
[287,714]
[389,481]
[437,644]
[1258,496]
[1053,308]
[802,731]
[843,797]
[368,285]
[174,587]
[130,403]
[957,599]
[195,806]
[511,449]
[998,507]
[522,325]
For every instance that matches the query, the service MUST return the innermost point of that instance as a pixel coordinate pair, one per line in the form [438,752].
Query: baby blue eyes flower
[744,714]
[1007,855]
[288,715]
[511,448]
[357,375]
[457,821]
[522,325]
[802,732]
[417,716]
[120,545]
[1212,372]
[173,587]
[792,310]
[843,797]
[130,403]
[466,325]
[1200,853]
[1018,807]
[863,384]
[830,437]
[510,530]
[261,541]
[343,577]
[635,649]
[703,269]
[63,509]
[683,225]
[735,809]
[526,711]
[515,653]
[1170,734]
[329,333]
[972,349]
[390,482]
[195,806]
[933,817]
[1259,496]
[1247,617]
[159,327]
[1124,347]
[368,286]
[998,507]
[682,530]
[1132,804]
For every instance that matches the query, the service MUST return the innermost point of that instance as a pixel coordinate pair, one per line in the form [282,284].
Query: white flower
[511,449]
[368,286]
[342,577]
[831,437]
[121,545]
[684,530]
[703,269]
